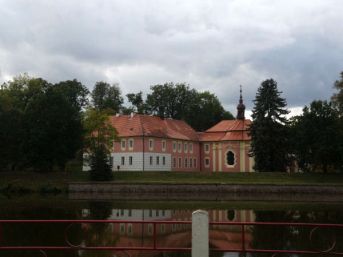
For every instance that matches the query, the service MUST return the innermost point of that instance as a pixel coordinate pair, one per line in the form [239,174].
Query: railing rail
[330,251]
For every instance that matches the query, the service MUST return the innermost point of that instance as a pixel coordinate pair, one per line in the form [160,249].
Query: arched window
[230,158]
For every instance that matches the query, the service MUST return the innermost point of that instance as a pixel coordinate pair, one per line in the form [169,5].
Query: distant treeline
[42,128]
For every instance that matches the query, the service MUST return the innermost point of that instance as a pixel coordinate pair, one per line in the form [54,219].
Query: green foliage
[337,98]
[268,131]
[99,138]
[137,102]
[40,123]
[317,137]
[107,97]
[201,110]
[101,169]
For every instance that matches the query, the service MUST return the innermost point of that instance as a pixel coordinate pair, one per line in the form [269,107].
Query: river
[169,235]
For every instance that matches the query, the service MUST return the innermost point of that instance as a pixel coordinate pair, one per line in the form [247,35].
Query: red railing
[155,247]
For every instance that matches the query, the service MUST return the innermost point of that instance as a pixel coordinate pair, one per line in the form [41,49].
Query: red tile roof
[137,125]
[227,130]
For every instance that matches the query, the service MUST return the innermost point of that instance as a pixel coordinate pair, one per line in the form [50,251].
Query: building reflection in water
[173,235]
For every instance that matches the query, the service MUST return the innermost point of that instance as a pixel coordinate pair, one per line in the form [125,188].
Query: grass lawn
[56,182]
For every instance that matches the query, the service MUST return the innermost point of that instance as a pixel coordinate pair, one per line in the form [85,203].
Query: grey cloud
[212,45]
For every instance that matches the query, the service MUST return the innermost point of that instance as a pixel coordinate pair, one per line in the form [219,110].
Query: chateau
[150,143]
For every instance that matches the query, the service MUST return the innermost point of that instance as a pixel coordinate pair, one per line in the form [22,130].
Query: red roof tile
[137,125]
[227,130]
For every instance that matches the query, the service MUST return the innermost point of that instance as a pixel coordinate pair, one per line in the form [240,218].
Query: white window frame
[129,229]
[151,160]
[180,162]
[185,147]
[234,158]
[131,144]
[185,162]
[130,160]
[195,162]
[163,160]
[191,147]
[164,145]
[209,162]
[179,147]
[151,144]
[208,148]
[157,160]
[174,146]
[123,144]
[122,160]
[174,162]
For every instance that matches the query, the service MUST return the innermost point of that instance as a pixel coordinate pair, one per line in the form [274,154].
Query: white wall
[137,161]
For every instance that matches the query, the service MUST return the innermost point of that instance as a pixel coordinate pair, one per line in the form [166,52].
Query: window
[174,162]
[164,160]
[207,162]
[122,228]
[122,160]
[179,147]
[164,145]
[207,148]
[150,160]
[195,162]
[163,228]
[230,158]
[151,144]
[190,162]
[185,147]
[174,146]
[130,213]
[157,213]
[123,144]
[129,229]
[186,162]
[130,160]
[150,213]
[191,147]
[149,229]
[130,144]
[180,162]
[157,160]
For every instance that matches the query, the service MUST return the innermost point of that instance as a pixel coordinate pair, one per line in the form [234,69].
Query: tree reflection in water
[99,234]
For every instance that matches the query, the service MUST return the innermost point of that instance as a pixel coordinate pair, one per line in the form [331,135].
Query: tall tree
[317,139]
[100,135]
[337,98]
[269,140]
[106,96]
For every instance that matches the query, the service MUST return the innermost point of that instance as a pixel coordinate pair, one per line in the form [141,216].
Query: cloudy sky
[212,45]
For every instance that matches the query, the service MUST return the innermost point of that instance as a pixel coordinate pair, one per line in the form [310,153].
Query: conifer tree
[268,130]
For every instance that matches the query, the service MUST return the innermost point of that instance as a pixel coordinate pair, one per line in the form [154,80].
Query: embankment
[262,192]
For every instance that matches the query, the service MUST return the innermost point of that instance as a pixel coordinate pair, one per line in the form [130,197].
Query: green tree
[337,98]
[206,111]
[99,138]
[317,137]
[40,122]
[107,97]
[179,101]
[269,140]
[137,102]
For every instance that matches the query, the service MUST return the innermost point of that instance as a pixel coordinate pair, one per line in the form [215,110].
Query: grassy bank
[28,182]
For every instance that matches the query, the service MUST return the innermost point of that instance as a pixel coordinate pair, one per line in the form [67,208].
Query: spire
[240,106]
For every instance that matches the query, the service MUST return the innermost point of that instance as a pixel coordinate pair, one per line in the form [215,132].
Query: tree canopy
[107,97]
[269,140]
